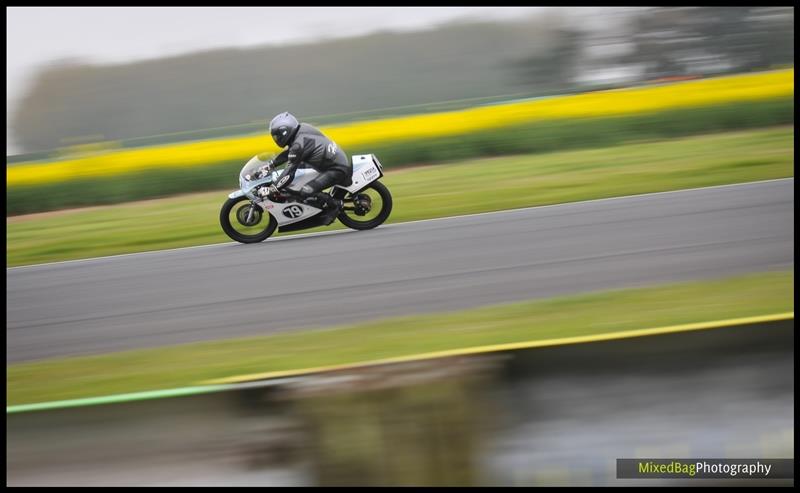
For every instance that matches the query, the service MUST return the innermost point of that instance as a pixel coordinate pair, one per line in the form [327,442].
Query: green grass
[478,185]
[527,138]
[177,366]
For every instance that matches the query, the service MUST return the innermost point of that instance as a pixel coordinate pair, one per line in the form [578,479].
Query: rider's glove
[273,191]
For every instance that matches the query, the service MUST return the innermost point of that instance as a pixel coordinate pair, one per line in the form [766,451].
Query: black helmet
[283,127]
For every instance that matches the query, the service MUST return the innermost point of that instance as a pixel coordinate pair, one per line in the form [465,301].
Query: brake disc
[244,211]
[363,204]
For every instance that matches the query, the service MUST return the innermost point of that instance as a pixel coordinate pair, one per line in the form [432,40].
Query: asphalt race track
[312,281]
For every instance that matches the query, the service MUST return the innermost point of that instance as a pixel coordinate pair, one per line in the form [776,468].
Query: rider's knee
[307,190]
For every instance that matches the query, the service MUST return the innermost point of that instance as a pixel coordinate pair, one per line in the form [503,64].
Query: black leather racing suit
[309,148]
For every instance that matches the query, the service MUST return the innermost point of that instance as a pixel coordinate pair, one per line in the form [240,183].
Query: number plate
[293,211]
[370,174]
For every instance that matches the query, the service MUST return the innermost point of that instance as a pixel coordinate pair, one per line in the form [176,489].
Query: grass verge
[478,185]
[597,313]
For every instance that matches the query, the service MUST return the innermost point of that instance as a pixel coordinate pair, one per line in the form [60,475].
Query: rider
[309,148]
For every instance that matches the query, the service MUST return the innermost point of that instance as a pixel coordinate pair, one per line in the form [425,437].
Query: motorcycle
[251,214]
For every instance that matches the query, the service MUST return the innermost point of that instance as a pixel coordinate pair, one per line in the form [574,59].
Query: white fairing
[290,212]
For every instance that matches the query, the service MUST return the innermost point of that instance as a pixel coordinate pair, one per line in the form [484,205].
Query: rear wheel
[368,208]
[245,222]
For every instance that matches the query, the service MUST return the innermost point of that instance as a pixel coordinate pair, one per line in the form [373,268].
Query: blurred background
[127,128]
[141,93]
[135,74]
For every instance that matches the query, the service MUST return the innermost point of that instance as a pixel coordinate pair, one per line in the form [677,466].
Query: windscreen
[248,173]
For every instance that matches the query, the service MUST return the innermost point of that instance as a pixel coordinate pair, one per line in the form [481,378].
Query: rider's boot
[331,210]
[330,206]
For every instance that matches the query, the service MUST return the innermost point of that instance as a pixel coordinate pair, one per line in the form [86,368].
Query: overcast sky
[36,36]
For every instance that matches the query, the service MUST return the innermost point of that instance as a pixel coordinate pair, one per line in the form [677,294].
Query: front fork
[250,217]
[251,212]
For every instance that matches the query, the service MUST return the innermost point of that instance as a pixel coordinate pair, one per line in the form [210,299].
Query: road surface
[304,282]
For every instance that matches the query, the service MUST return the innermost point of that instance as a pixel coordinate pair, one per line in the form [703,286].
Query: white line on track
[395,225]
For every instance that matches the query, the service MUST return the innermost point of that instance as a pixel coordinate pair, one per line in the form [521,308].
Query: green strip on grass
[479,185]
[597,313]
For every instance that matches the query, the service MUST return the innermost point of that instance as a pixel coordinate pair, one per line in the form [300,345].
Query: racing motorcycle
[251,214]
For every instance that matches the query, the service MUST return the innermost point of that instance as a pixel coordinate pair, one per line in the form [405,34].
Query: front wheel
[368,208]
[245,222]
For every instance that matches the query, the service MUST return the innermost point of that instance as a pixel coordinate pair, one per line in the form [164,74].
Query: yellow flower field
[747,87]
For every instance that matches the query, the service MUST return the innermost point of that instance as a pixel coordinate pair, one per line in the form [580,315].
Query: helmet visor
[281,135]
